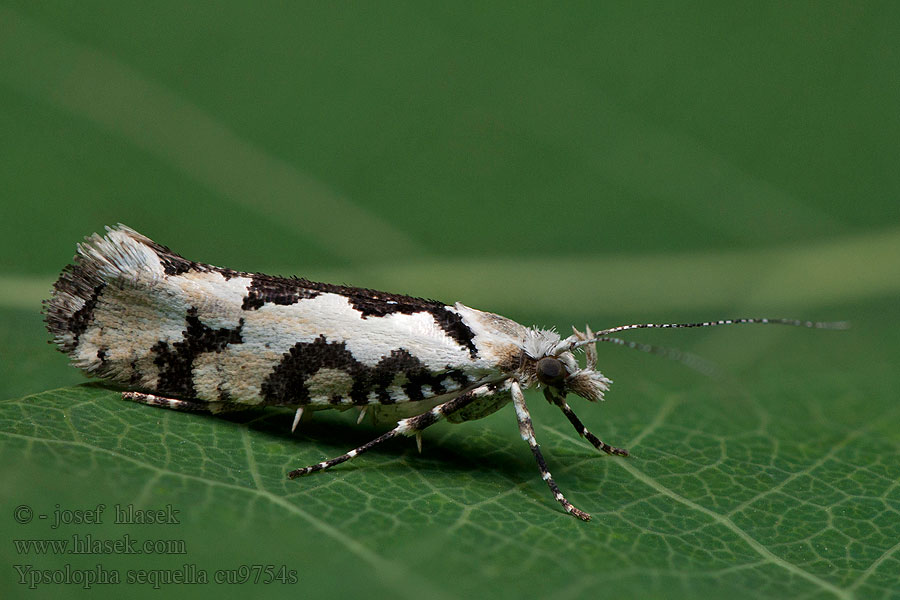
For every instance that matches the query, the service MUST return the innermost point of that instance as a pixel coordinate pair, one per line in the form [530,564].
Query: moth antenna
[692,361]
[792,322]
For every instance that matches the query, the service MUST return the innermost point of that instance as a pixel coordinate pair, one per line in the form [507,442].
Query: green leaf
[605,163]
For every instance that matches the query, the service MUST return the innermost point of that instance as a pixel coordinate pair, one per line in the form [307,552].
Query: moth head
[554,366]
[551,371]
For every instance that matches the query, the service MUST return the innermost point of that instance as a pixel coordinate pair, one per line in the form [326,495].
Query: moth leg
[410,426]
[297,416]
[527,432]
[579,426]
[171,403]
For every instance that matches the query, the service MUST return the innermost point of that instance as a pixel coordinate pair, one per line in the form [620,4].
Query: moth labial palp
[190,336]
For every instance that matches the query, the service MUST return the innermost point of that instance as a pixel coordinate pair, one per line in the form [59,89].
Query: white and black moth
[190,336]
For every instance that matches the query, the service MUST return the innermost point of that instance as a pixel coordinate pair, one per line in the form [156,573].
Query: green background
[602,163]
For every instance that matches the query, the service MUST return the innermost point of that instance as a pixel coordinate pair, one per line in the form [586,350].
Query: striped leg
[527,432]
[579,426]
[171,403]
[410,426]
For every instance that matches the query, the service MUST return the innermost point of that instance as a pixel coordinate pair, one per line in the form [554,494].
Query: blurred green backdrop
[597,162]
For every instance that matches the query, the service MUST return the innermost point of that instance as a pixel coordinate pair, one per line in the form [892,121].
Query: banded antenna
[688,359]
[793,322]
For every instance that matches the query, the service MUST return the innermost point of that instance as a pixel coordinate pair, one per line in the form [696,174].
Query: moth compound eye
[551,371]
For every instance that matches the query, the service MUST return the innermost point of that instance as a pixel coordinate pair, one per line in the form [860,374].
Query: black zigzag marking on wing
[176,361]
[401,361]
[77,281]
[175,264]
[83,316]
[370,303]
[287,382]
[275,290]
[453,324]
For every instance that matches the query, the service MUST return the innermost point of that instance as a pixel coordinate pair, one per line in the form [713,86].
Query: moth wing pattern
[134,312]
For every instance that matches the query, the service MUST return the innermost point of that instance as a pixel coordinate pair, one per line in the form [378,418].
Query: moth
[190,336]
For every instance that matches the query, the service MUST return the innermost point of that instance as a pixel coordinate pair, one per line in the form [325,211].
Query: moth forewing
[186,335]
